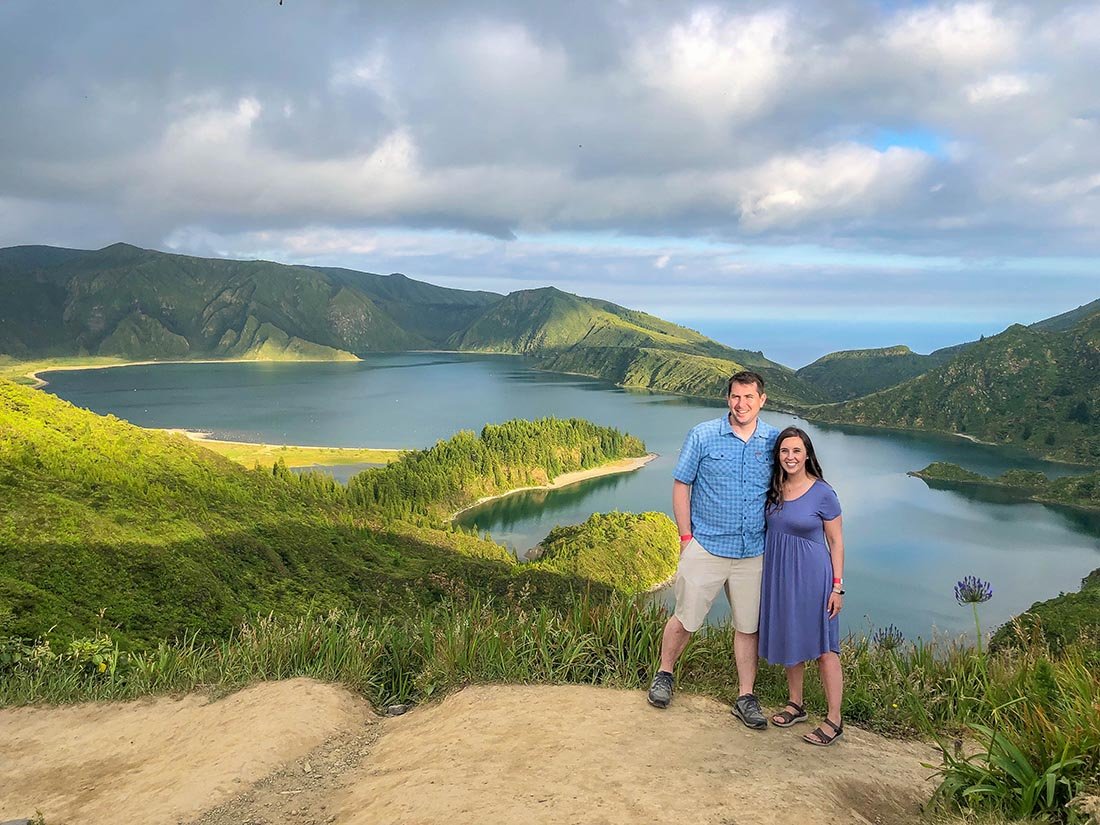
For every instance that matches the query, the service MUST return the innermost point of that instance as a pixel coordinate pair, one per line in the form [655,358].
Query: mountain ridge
[144,304]
[139,304]
[854,373]
[1027,387]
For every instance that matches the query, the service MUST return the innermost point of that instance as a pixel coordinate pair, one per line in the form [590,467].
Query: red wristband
[687,537]
[838,581]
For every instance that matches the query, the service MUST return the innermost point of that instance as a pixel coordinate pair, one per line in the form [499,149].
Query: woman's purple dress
[798,577]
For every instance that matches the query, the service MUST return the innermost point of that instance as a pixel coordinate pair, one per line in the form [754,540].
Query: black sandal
[788,717]
[824,740]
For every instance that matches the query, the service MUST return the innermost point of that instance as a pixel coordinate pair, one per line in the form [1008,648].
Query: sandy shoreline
[976,440]
[294,456]
[623,465]
[202,435]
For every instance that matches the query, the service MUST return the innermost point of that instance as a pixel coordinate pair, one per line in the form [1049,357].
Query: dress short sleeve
[828,505]
[688,465]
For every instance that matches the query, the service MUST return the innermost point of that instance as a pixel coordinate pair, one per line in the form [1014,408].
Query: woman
[802,591]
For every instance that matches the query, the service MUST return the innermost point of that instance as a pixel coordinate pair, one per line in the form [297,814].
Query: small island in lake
[1030,485]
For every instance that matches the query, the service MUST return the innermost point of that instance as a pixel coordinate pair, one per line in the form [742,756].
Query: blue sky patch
[924,140]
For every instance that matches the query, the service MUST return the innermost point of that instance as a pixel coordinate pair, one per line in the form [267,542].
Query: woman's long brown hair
[779,475]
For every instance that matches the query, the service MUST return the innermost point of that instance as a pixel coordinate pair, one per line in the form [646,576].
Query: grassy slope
[648,550]
[267,455]
[1065,619]
[166,537]
[1027,387]
[1066,320]
[567,333]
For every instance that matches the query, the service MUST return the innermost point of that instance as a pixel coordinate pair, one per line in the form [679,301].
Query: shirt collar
[727,429]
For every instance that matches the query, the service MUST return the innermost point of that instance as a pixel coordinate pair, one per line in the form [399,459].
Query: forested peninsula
[1032,485]
[103,524]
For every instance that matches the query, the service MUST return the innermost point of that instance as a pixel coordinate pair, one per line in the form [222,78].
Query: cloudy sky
[796,177]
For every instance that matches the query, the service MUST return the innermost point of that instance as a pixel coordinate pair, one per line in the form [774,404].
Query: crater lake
[906,544]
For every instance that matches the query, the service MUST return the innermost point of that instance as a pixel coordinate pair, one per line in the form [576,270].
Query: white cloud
[715,64]
[837,182]
[719,121]
[216,126]
[959,36]
[996,88]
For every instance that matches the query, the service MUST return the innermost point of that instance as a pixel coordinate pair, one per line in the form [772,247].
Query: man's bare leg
[673,642]
[745,654]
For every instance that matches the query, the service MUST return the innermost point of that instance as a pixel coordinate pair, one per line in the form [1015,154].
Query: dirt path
[304,752]
[163,760]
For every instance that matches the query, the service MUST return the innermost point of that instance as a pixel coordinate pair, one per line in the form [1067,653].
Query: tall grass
[1030,721]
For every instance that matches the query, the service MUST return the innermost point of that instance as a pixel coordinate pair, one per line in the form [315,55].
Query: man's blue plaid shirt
[729,482]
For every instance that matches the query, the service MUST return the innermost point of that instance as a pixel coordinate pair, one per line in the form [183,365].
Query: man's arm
[681,509]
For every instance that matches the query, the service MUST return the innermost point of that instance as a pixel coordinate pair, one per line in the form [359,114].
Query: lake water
[906,544]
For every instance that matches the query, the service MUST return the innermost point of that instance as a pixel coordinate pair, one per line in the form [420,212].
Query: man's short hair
[745,377]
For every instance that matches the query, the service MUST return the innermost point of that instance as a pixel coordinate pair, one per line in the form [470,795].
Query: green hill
[1066,320]
[648,550]
[854,373]
[568,333]
[166,538]
[432,312]
[1063,620]
[849,374]
[138,303]
[1036,389]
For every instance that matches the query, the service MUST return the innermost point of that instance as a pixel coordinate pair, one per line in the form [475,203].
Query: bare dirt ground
[304,752]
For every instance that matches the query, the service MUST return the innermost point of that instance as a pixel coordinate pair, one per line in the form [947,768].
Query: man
[718,494]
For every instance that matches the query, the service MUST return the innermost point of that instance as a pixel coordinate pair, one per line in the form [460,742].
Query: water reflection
[1076,518]
[508,513]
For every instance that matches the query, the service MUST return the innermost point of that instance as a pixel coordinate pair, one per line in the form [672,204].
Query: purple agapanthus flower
[887,638]
[972,590]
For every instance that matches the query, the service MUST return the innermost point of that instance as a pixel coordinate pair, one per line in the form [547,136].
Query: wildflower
[972,590]
[888,638]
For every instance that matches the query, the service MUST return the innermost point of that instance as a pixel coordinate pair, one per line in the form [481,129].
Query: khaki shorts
[701,575]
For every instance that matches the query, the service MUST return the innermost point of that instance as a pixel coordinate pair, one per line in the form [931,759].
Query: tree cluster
[430,484]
